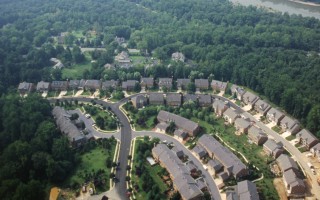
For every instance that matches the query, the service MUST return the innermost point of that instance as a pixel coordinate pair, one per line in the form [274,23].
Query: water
[284,6]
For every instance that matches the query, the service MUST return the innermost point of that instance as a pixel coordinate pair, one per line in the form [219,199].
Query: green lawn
[90,162]
[290,137]
[76,71]
[149,125]
[276,129]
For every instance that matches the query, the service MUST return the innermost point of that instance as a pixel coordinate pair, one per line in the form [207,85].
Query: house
[92,85]
[147,83]
[231,163]
[129,85]
[201,184]
[62,118]
[242,125]
[156,99]
[274,115]
[315,150]
[190,98]
[25,88]
[220,107]
[179,173]
[295,187]
[74,84]
[307,139]
[180,135]
[178,152]
[246,190]
[204,100]
[177,56]
[218,86]
[192,168]
[162,127]
[119,40]
[257,135]
[290,125]
[201,84]
[183,83]
[43,86]
[165,83]
[123,60]
[286,163]
[139,101]
[231,115]
[109,66]
[187,125]
[59,85]
[199,152]
[237,91]
[262,107]
[272,148]
[250,99]
[107,85]
[214,167]
[57,63]
[173,99]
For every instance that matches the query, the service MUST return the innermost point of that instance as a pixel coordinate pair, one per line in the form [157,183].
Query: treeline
[33,153]
[273,54]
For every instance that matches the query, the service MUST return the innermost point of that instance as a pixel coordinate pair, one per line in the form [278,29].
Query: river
[284,6]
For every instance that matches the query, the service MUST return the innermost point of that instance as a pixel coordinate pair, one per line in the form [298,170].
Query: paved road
[213,189]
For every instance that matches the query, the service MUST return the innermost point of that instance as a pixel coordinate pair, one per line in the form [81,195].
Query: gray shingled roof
[187,187]
[180,133]
[291,178]
[275,113]
[156,97]
[183,82]
[139,99]
[129,84]
[180,122]
[289,122]
[24,86]
[93,84]
[231,162]
[247,190]
[256,133]
[285,163]
[74,83]
[167,82]
[177,151]
[214,164]
[231,113]
[173,97]
[199,150]
[189,97]
[219,84]
[262,105]
[242,123]
[272,145]
[250,97]
[236,89]
[59,84]
[219,104]
[201,83]
[147,81]
[307,136]
[43,85]
[204,99]
[109,84]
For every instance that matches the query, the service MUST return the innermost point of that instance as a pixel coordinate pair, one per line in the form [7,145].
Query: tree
[191,87]
[100,122]
[77,55]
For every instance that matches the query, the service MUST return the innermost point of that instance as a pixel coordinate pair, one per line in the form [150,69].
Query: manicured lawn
[276,129]
[137,59]
[238,102]
[91,162]
[291,137]
[76,70]
[149,124]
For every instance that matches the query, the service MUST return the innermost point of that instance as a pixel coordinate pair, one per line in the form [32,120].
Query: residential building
[165,83]
[178,152]
[74,84]
[274,115]
[307,139]
[199,152]
[244,190]
[59,85]
[204,100]
[147,83]
[179,173]
[220,107]
[139,101]
[92,85]
[107,85]
[295,187]
[192,168]
[25,88]
[173,99]
[214,167]
[286,163]
[156,99]
[218,86]
[162,127]
[187,125]
[177,56]
[238,91]
[67,128]
[250,99]
[315,150]
[201,84]
[232,164]
[272,148]
[190,98]
[231,115]
[262,107]
[129,85]
[242,125]
[257,136]
[180,135]
[290,125]
[43,86]
[123,60]
[183,83]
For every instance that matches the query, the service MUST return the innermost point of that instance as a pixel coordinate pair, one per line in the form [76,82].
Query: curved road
[126,137]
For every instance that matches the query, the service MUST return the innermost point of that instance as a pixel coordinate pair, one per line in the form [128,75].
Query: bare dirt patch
[279,185]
